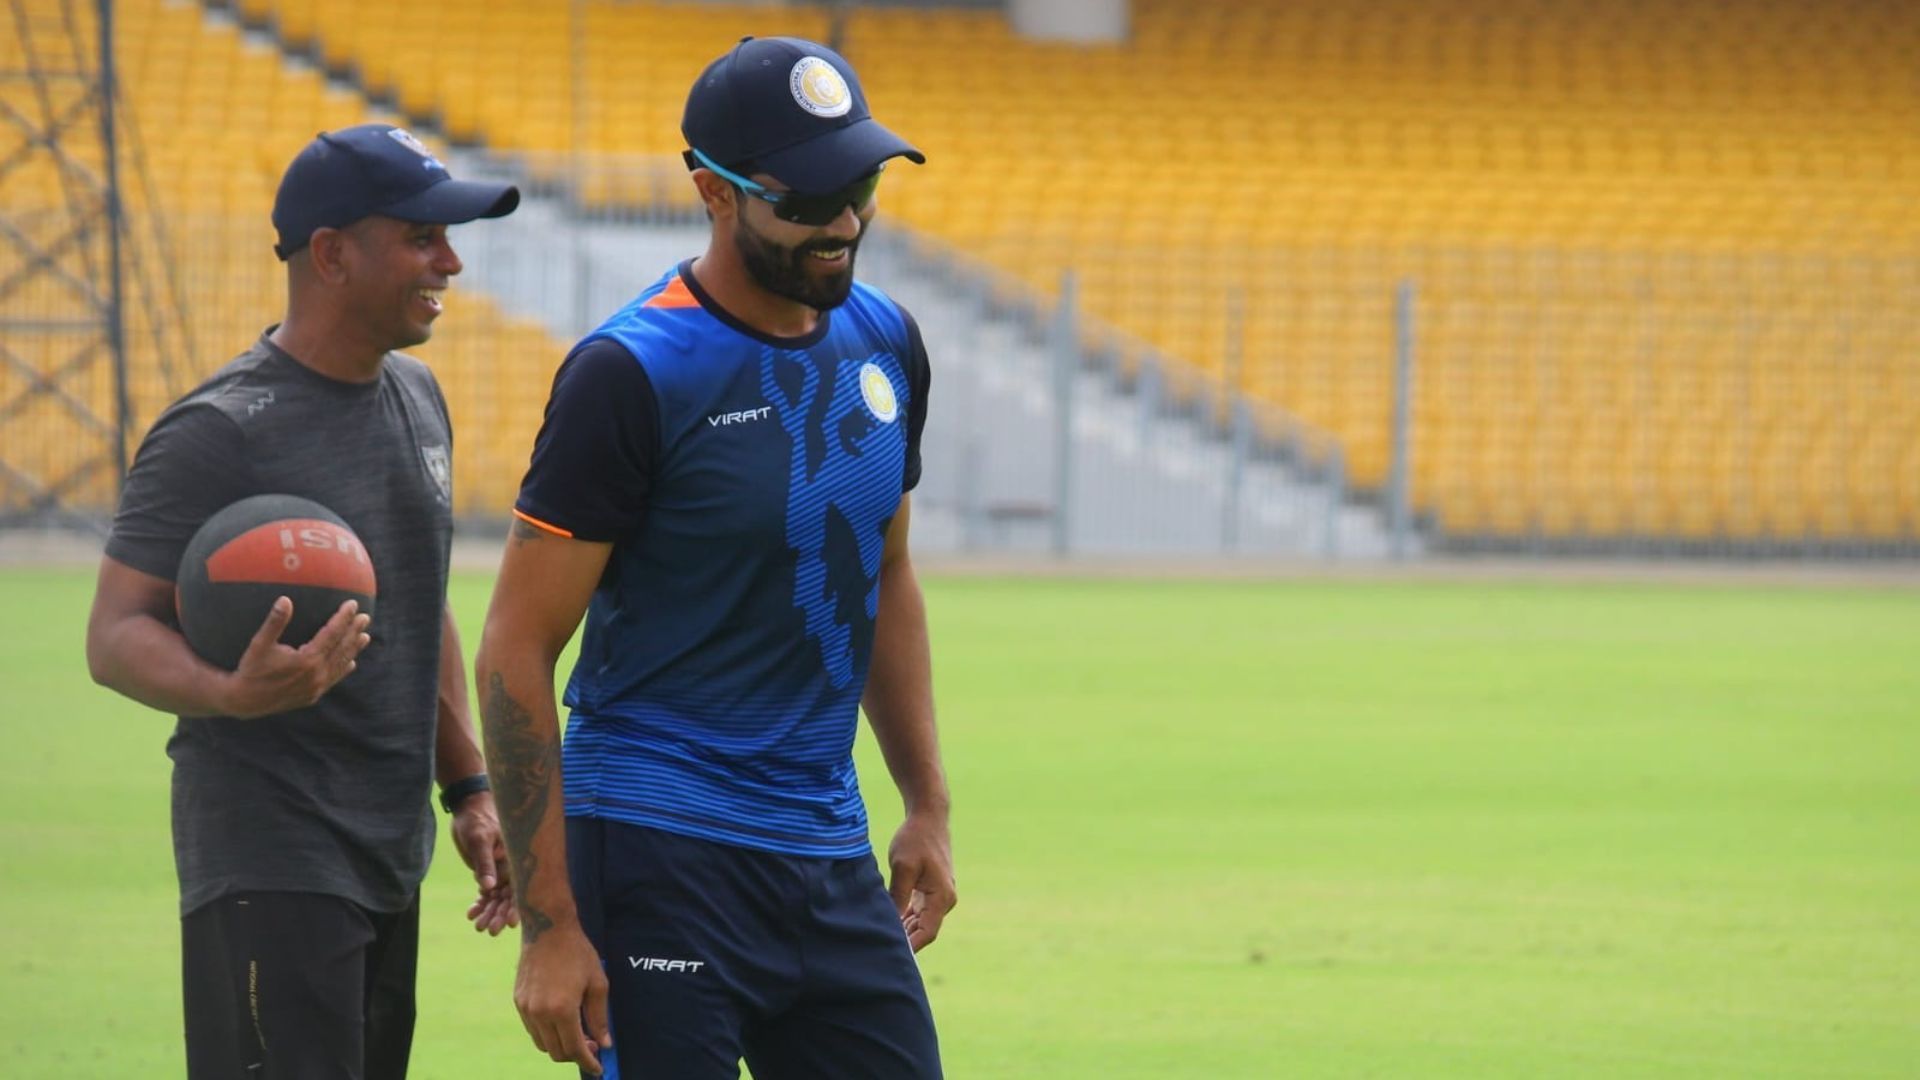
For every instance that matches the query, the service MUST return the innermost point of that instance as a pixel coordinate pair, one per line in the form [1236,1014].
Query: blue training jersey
[746,483]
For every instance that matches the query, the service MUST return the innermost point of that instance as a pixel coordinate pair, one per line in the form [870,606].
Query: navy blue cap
[794,109]
[343,176]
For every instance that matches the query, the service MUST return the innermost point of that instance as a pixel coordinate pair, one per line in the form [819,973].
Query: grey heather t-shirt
[332,798]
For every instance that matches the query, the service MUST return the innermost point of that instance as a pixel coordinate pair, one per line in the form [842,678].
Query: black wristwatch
[452,794]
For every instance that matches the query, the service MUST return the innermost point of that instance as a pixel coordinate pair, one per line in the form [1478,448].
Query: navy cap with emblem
[343,176]
[792,108]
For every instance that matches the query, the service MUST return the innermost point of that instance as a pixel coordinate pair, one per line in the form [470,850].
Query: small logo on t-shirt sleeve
[440,470]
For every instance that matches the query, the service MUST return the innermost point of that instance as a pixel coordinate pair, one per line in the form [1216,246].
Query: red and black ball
[257,550]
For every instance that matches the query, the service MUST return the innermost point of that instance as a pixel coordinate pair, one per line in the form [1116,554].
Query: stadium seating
[211,121]
[1664,254]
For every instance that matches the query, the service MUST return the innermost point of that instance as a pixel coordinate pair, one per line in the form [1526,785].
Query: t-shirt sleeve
[189,466]
[439,397]
[919,379]
[594,459]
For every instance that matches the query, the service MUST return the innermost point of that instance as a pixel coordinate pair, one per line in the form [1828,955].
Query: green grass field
[1218,830]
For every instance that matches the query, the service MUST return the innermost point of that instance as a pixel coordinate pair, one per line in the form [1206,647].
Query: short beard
[783,271]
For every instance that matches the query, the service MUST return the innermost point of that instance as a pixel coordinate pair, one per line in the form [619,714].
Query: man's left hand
[476,833]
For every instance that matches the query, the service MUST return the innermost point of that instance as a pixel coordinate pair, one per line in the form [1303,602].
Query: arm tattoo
[523,762]
[520,532]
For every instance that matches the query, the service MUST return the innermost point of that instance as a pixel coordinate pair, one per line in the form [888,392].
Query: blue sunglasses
[794,206]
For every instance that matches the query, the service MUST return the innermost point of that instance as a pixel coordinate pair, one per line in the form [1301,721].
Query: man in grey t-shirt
[301,821]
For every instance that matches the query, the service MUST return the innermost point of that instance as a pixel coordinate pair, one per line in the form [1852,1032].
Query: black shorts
[715,953]
[287,986]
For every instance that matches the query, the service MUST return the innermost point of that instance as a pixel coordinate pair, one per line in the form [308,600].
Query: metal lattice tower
[87,310]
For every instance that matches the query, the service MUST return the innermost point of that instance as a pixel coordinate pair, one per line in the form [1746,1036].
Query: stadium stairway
[1145,478]
[1665,249]
[1150,472]
[219,108]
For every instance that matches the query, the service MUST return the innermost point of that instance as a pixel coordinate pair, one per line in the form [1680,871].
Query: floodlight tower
[67,252]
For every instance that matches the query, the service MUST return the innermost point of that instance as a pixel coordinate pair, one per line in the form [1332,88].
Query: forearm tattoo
[523,762]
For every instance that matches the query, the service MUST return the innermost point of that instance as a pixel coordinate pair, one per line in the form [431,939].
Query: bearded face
[817,272]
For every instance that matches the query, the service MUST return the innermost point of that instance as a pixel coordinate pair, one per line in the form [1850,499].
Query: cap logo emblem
[405,138]
[877,389]
[818,87]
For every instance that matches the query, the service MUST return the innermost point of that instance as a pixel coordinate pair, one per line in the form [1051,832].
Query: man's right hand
[561,992]
[274,677]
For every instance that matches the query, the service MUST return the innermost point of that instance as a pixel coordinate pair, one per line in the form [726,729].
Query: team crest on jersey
[818,87]
[440,470]
[877,390]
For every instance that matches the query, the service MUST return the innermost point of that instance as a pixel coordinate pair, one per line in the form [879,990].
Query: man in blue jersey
[720,489]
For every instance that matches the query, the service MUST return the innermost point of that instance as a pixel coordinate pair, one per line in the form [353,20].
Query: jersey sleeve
[594,459]
[919,379]
[190,465]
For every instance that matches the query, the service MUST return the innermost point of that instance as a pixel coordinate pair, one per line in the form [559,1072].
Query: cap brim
[837,158]
[452,202]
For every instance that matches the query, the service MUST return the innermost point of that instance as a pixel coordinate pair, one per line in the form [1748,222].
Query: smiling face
[398,275]
[811,265]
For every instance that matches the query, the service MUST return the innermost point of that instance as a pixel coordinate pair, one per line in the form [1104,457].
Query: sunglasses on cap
[794,206]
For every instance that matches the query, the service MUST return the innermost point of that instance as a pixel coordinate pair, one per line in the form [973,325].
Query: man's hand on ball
[274,677]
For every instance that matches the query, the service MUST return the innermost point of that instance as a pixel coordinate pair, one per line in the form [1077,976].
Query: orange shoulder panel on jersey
[675,295]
